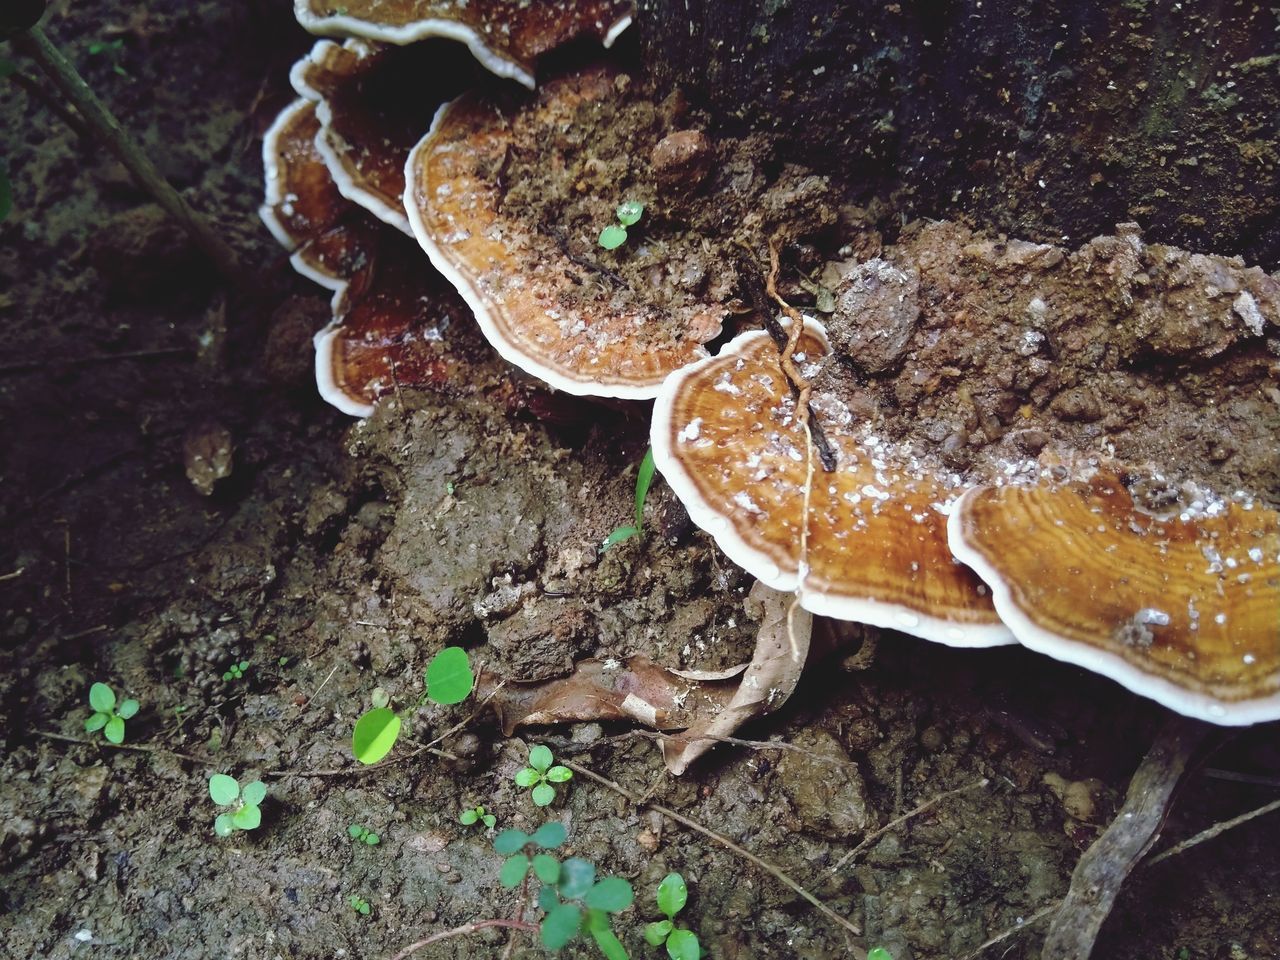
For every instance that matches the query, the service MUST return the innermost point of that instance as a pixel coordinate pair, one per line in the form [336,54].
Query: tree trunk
[1046,120]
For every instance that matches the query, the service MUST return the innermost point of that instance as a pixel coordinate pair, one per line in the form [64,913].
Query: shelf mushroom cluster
[1183,608]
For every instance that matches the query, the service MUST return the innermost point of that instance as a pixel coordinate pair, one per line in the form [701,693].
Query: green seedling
[615,235]
[106,716]
[879,953]
[236,670]
[360,905]
[448,679]
[644,480]
[681,944]
[477,815]
[574,901]
[244,813]
[362,834]
[540,775]
[112,49]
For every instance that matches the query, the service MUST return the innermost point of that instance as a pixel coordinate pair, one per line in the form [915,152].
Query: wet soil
[338,556]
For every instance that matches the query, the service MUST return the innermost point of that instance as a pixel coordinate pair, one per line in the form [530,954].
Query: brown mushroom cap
[506,36]
[517,279]
[389,313]
[1185,610]
[726,437]
[367,123]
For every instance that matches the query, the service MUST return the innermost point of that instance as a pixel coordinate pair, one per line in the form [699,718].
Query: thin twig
[132,748]
[35,44]
[659,736]
[464,930]
[1006,934]
[1236,777]
[1212,832]
[79,634]
[875,835]
[723,841]
[12,576]
[323,683]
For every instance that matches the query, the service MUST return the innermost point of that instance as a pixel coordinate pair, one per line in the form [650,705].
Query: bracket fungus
[1182,608]
[388,314]
[523,283]
[865,542]
[506,36]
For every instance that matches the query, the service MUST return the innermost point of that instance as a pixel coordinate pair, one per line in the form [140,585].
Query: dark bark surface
[1046,120]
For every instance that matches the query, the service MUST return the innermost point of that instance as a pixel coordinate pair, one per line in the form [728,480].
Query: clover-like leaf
[355,831]
[540,758]
[127,709]
[223,826]
[684,945]
[114,730]
[248,817]
[96,722]
[527,777]
[223,789]
[613,236]
[547,899]
[543,794]
[468,817]
[629,212]
[560,925]
[576,877]
[490,820]
[655,934]
[559,774]
[449,676]
[509,841]
[546,868]
[513,871]
[254,793]
[672,894]
[375,734]
[550,835]
[611,895]
[102,698]
[609,944]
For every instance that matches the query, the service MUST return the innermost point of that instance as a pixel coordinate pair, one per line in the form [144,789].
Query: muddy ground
[339,556]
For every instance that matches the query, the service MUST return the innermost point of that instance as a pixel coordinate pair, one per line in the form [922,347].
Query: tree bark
[1048,120]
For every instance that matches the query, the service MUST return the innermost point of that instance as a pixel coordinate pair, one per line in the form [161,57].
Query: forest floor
[340,555]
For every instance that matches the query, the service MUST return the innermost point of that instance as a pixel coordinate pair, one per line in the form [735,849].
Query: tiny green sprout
[644,480]
[681,944]
[362,834]
[236,670]
[477,815]
[359,904]
[540,775]
[449,680]
[106,716]
[615,235]
[244,803]
[879,953]
[282,662]
[113,49]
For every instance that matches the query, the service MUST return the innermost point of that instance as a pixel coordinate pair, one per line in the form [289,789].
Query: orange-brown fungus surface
[372,112]
[541,309]
[507,36]
[1184,609]
[873,547]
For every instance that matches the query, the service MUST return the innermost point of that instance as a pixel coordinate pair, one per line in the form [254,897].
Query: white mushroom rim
[1177,698]
[761,566]
[483,310]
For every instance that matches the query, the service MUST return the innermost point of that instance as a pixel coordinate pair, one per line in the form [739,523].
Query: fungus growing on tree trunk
[506,36]
[1183,608]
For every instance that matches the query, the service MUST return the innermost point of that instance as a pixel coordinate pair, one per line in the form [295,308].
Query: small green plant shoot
[477,815]
[106,716]
[540,775]
[681,944]
[112,49]
[644,479]
[244,813]
[615,235]
[879,953]
[573,900]
[359,904]
[362,834]
[449,680]
[236,670]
